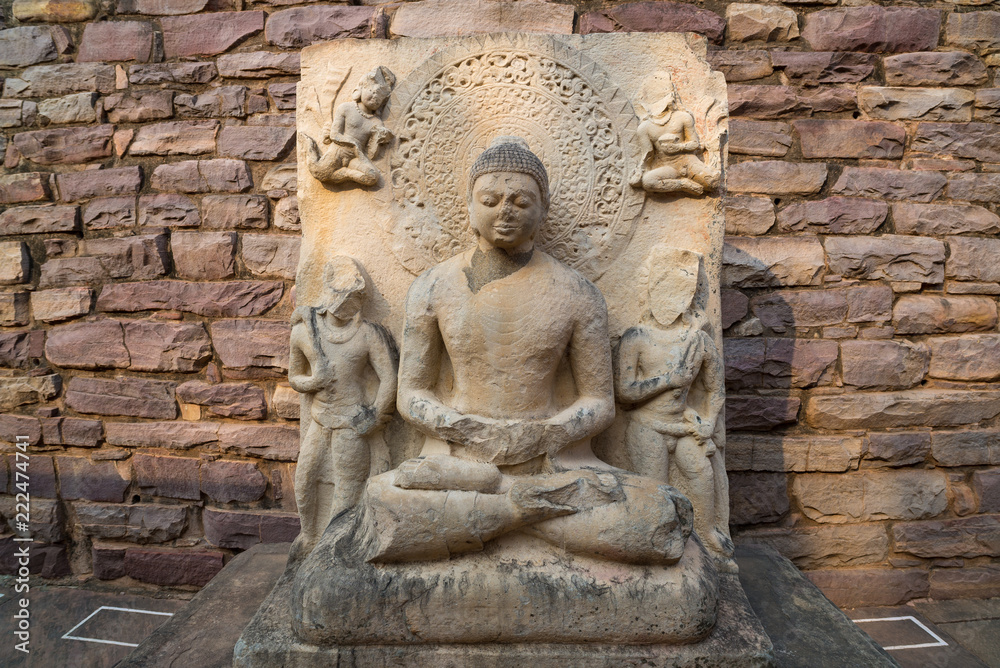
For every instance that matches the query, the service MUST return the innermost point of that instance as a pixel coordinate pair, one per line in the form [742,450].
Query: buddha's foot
[445,473]
[561,494]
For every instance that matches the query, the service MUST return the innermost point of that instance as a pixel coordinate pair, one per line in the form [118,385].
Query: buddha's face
[506,210]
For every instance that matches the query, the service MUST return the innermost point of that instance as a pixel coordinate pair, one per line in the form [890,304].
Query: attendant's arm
[713,378]
[692,143]
[645,143]
[305,372]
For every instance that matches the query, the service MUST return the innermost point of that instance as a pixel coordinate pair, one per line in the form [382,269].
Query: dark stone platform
[804,627]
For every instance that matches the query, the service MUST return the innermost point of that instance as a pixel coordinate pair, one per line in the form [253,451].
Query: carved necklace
[335,334]
[364,112]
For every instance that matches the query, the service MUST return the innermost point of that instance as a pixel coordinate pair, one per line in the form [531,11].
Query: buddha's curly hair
[511,154]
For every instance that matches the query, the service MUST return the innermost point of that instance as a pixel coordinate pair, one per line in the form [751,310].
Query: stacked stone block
[149,240]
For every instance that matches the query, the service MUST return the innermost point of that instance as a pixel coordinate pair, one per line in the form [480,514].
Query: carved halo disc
[449,109]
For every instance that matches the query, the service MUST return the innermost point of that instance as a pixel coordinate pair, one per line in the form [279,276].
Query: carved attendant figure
[669,368]
[356,134]
[331,350]
[669,143]
[489,338]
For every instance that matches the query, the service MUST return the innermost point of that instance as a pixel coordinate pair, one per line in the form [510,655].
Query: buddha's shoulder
[440,275]
[563,271]
[567,277]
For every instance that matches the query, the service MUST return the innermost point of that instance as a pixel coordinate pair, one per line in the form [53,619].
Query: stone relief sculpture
[503,242]
[669,143]
[331,350]
[658,364]
[355,135]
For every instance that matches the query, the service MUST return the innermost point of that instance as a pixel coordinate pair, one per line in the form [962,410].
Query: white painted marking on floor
[67,636]
[939,641]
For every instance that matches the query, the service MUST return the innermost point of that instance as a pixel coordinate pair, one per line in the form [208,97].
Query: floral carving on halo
[449,109]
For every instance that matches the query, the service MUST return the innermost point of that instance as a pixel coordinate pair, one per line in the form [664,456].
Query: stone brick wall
[149,237]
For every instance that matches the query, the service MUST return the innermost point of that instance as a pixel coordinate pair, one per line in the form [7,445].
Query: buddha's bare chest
[507,325]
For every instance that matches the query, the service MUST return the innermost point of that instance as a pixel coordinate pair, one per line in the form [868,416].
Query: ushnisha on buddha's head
[508,195]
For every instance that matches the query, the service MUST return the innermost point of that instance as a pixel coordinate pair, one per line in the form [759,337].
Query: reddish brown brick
[116,40]
[756,498]
[172,435]
[892,184]
[167,346]
[225,299]
[833,215]
[97,344]
[72,431]
[24,187]
[778,363]
[204,255]
[137,523]
[172,567]
[249,343]
[301,26]
[978,141]
[260,65]
[172,477]
[26,45]
[884,365]
[168,210]
[203,176]
[135,397]
[850,139]
[244,529]
[99,183]
[187,73]
[760,413]
[873,29]
[177,138]
[243,401]
[934,314]
[227,481]
[824,66]
[108,561]
[274,442]
[208,34]
[259,142]
[109,212]
[654,17]
[79,478]
[64,146]
[139,107]
[935,68]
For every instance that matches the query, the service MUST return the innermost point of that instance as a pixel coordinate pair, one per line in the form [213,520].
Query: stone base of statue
[518,600]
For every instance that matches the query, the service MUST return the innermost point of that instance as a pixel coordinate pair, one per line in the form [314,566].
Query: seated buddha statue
[506,370]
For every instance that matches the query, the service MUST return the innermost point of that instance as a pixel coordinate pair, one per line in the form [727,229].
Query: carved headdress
[380,77]
[656,94]
[511,154]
